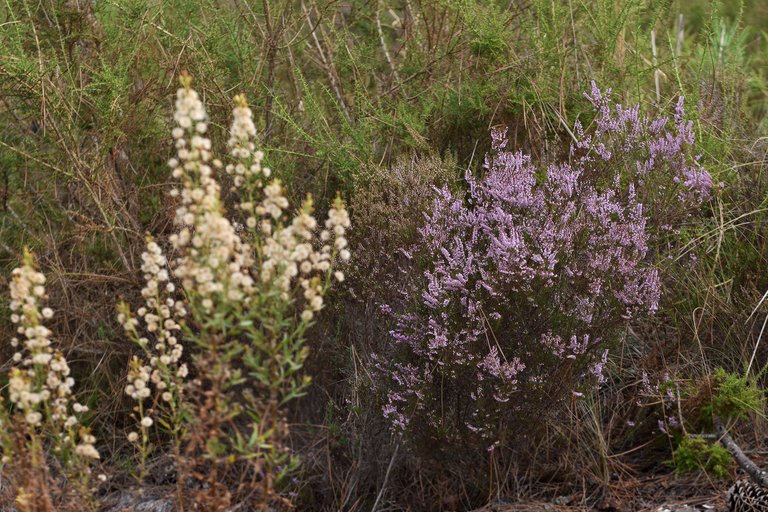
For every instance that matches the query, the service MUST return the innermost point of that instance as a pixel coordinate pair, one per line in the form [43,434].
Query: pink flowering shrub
[528,276]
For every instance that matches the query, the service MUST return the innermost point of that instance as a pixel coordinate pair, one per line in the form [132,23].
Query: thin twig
[655,66]
[680,34]
[384,44]
[386,478]
[757,344]
[722,47]
[327,64]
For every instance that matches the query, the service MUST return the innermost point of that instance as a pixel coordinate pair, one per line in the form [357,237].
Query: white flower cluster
[288,255]
[336,226]
[214,259]
[42,384]
[243,149]
[86,447]
[164,370]
[287,251]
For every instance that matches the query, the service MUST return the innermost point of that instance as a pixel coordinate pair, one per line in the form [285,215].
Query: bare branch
[759,476]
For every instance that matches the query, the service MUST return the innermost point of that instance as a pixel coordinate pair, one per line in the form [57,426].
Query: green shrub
[734,396]
[695,453]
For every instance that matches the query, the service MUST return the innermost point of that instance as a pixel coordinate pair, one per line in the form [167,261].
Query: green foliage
[695,453]
[343,88]
[734,396]
[486,22]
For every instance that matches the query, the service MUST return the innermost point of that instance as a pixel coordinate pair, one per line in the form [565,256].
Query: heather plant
[529,278]
[44,438]
[402,191]
[248,293]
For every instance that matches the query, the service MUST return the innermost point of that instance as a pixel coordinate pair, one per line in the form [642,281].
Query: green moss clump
[734,396]
[695,453]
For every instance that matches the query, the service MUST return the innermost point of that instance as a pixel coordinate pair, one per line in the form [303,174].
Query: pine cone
[746,496]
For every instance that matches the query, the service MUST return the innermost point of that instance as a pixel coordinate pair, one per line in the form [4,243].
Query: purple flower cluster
[650,152]
[528,274]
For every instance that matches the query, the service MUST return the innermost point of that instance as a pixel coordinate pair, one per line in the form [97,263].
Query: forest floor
[663,493]
[646,486]
[651,493]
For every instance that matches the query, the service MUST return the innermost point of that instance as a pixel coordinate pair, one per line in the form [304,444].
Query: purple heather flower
[528,273]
